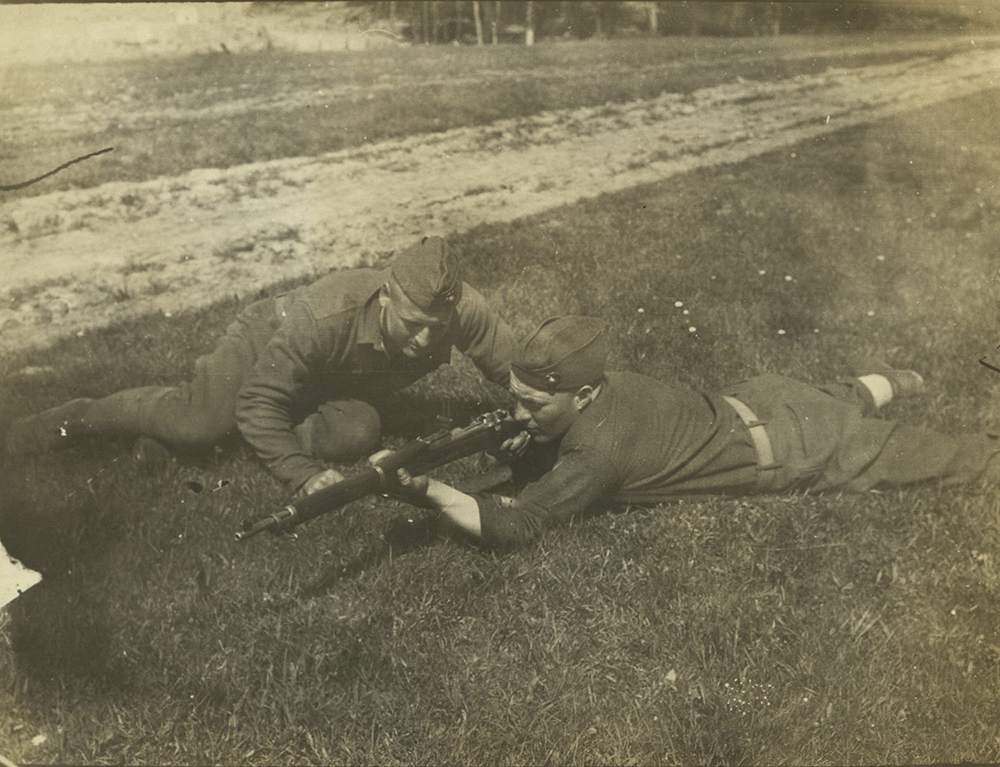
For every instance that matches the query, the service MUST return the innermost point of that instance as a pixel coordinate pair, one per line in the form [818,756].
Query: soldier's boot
[48,430]
[904,383]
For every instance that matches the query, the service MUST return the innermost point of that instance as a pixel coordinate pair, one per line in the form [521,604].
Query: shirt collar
[369,323]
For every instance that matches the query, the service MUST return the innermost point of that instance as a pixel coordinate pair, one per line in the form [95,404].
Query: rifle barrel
[418,456]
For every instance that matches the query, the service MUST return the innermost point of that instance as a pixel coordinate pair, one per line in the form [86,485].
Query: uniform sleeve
[483,336]
[580,482]
[264,405]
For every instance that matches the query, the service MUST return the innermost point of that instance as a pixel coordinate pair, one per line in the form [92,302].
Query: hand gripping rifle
[487,432]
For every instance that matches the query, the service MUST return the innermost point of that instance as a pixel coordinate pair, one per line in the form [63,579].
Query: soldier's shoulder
[627,379]
[340,291]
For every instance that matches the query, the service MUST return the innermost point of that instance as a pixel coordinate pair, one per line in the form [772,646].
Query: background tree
[477,17]
[426,21]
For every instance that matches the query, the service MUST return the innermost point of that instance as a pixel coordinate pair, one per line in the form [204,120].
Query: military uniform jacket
[640,441]
[327,345]
[646,442]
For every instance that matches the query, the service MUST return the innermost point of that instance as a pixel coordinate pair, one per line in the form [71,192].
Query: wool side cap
[563,354]
[429,275]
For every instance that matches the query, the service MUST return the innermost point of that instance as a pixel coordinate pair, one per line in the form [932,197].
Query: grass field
[793,630]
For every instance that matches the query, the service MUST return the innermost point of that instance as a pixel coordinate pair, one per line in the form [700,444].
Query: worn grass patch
[785,630]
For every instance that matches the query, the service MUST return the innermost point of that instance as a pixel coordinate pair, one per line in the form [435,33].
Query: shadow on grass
[403,536]
[59,632]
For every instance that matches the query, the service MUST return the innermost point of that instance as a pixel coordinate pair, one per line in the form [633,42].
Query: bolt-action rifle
[418,456]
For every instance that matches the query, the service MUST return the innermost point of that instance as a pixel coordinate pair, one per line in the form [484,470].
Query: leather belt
[761,442]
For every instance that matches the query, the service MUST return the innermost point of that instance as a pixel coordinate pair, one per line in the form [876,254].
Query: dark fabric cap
[429,275]
[564,354]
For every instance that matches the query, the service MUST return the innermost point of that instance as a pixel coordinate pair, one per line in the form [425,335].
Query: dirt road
[81,259]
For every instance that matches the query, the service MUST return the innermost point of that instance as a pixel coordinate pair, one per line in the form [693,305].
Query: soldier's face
[545,416]
[406,327]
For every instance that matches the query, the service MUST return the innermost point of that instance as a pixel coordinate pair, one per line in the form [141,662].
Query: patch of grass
[122,293]
[481,189]
[763,630]
[136,267]
[19,296]
[157,286]
[236,250]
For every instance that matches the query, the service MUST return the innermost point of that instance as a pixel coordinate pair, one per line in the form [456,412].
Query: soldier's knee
[341,432]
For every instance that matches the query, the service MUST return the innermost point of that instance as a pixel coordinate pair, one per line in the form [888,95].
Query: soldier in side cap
[602,438]
[302,375]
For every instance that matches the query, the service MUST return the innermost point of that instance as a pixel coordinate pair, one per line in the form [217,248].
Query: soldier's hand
[321,480]
[416,485]
[515,446]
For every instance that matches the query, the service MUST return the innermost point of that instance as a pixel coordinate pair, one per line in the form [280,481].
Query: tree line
[485,22]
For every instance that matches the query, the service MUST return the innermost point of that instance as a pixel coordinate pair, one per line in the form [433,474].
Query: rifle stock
[418,456]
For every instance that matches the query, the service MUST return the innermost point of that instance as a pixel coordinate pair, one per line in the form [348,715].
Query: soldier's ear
[583,397]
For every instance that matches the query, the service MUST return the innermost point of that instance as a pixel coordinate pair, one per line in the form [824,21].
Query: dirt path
[81,259]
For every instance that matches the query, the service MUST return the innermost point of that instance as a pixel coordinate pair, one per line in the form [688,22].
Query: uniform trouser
[201,412]
[824,439]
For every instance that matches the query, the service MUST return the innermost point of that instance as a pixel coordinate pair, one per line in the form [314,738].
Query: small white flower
[762,272]
[871,313]
[641,310]
[788,278]
[880,258]
[678,304]
[692,329]
[781,332]
[685,312]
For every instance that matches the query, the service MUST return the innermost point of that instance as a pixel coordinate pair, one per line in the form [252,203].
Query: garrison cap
[429,275]
[564,354]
